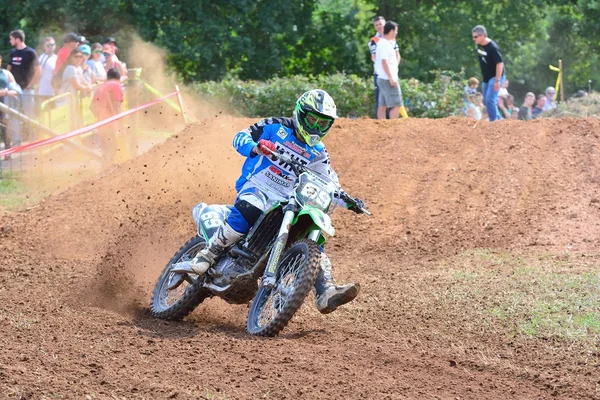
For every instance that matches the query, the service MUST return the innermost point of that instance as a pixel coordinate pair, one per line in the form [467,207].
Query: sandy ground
[76,271]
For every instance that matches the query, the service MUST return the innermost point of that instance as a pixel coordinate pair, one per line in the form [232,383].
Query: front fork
[268,280]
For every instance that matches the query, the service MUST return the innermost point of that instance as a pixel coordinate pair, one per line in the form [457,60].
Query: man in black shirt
[23,63]
[492,69]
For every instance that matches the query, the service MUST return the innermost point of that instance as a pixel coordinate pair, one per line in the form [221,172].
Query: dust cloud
[53,169]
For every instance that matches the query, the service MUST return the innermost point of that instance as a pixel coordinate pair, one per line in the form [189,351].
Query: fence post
[185,120]
[562,86]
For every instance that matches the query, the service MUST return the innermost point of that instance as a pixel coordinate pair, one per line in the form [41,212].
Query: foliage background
[269,39]
[353,94]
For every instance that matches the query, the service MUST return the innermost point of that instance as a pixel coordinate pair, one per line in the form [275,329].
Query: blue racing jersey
[274,177]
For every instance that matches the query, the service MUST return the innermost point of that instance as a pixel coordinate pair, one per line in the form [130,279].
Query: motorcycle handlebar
[351,200]
[298,168]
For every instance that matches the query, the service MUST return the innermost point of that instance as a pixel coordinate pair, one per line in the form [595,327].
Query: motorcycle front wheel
[272,309]
[173,304]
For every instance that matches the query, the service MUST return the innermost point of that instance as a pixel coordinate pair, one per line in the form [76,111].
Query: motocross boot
[329,295]
[223,238]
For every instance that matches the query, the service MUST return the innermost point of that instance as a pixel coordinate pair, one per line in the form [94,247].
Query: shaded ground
[482,241]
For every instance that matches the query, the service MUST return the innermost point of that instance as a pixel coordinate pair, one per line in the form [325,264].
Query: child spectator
[95,64]
[73,82]
[503,92]
[512,109]
[539,107]
[474,104]
[106,103]
[471,87]
[525,113]
[506,104]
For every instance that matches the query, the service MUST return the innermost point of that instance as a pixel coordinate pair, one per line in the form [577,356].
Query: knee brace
[243,216]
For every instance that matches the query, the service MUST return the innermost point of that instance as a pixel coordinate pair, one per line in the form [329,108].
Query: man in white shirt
[47,63]
[378,24]
[386,68]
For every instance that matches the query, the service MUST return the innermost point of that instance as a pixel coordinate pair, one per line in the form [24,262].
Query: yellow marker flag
[557,86]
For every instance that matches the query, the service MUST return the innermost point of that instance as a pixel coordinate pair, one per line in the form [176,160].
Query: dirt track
[76,272]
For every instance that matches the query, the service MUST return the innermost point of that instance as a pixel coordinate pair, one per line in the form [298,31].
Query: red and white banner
[60,138]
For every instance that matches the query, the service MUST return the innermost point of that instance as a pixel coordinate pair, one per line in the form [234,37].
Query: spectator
[74,82]
[474,106]
[95,64]
[525,113]
[7,83]
[503,92]
[506,104]
[539,107]
[472,86]
[106,103]
[47,63]
[23,63]
[510,105]
[87,72]
[9,95]
[71,41]
[492,69]
[113,42]
[550,103]
[379,23]
[110,57]
[386,67]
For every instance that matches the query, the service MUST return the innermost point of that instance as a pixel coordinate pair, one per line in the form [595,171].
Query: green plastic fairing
[320,219]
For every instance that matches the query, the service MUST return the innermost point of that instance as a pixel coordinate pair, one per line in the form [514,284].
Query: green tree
[336,40]
[207,39]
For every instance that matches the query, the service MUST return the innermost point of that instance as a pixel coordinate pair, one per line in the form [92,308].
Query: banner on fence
[89,128]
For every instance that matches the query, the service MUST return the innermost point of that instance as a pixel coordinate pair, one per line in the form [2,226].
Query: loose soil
[76,271]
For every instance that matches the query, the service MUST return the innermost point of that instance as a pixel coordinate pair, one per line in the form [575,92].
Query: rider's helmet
[314,114]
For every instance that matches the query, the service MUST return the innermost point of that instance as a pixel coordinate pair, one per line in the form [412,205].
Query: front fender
[319,218]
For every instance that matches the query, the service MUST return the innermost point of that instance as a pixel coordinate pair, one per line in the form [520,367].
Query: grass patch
[538,296]
[11,193]
[14,195]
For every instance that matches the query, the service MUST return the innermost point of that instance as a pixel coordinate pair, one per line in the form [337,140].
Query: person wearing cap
[88,73]
[110,59]
[71,41]
[550,103]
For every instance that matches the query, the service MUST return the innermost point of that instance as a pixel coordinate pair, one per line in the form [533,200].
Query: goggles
[317,122]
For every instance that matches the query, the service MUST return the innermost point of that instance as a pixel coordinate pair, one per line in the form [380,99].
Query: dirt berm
[76,271]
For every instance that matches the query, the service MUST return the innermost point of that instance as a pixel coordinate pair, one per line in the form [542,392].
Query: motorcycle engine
[225,270]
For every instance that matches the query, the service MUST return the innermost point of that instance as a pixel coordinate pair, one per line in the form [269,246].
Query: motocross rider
[264,182]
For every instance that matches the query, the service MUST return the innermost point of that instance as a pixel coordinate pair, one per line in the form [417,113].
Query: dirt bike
[275,265]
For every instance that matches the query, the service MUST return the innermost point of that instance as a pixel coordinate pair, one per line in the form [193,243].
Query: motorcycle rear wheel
[176,304]
[272,309]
